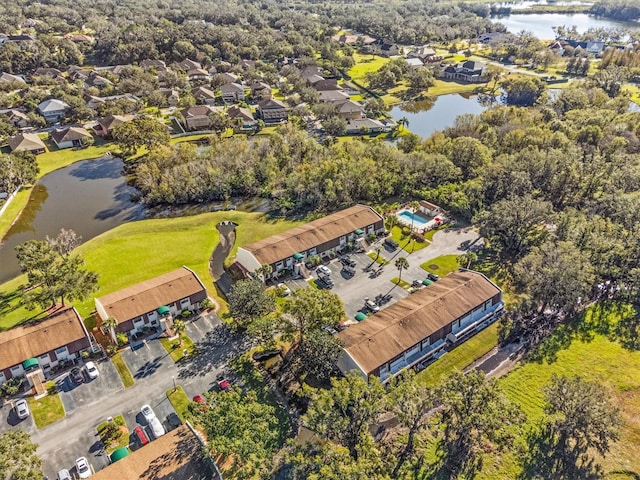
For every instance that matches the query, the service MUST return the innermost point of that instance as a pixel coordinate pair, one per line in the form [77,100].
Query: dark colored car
[77,376]
[391,243]
[346,260]
[433,277]
[173,421]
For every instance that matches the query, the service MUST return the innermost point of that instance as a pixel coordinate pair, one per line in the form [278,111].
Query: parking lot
[10,419]
[90,391]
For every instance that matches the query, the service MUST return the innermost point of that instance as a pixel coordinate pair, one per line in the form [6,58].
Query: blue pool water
[418,220]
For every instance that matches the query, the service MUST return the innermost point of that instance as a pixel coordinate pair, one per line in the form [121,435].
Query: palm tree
[264,271]
[403,122]
[401,264]
[179,327]
[110,324]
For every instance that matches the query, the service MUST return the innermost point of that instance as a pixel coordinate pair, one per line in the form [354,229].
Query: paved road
[61,443]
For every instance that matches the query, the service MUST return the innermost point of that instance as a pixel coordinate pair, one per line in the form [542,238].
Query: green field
[403,241]
[442,265]
[365,64]
[137,251]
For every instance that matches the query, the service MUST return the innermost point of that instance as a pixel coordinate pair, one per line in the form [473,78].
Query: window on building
[279,266]
[425,343]
[313,251]
[61,350]
[184,302]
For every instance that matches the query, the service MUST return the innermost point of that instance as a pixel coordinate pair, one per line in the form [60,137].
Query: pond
[540,24]
[437,113]
[89,197]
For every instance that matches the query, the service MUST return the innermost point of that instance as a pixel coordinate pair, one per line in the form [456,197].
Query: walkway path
[227,239]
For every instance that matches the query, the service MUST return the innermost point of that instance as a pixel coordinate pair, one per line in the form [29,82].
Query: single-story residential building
[196,117]
[350,110]
[108,123]
[332,96]
[53,110]
[332,233]
[69,137]
[384,48]
[241,118]
[39,346]
[9,78]
[17,118]
[414,63]
[272,111]
[26,142]
[152,303]
[177,455]
[469,71]
[232,92]
[188,64]
[204,95]
[364,125]
[419,328]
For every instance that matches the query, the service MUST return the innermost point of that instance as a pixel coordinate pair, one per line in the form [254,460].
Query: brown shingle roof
[69,134]
[26,141]
[112,121]
[175,456]
[312,234]
[196,111]
[143,297]
[20,343]
[388,333]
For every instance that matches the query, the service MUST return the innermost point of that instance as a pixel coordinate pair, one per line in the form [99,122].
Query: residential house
[414,63]
[26,142]
[152,303]
[421,327]
[53,73]
[95,102]
[53,110]
[31,350]
[78,75]
[241,118]
[327,84]
[94,79]
[227,77]
[469,71]
[261,91]
[157,65]
[350,110]
[177,455]
[313,79]
[17,118]
[204,95]
[310,72]
[595,48]
[8,78]
[196,117]
[365,126]
[79,37]
[232,92]
[108,123]
[345,39]
[69,137]
[424,53]
[187,65]
[333,96]
[247,64]
[272,111]
[198,74]
[332,233]
[20,38]
[171,95]
[384,48]
[557,47]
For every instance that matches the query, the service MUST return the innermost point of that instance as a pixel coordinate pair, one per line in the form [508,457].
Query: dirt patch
[433,267]
[227,239]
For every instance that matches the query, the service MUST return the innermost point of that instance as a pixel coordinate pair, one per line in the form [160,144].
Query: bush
[206,304]
[11,386]
[112,349]
[85,354]
[122,339]
[185,313]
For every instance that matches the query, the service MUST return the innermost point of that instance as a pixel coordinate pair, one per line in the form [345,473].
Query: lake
[540,24]
[89,197]
[436,113]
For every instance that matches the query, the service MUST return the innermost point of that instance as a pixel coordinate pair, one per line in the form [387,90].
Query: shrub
[206,304]
[185,313]
[122,338]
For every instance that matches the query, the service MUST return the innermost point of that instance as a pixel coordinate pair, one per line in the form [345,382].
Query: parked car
[347,260]
[64,475]
[433,277]
[84,470]
[223,385]
[329,329]
[156,427]
[286,291]
[173,421]
[416,284]
[199,399]
[217,208]
[142,437]
[323,270]
[77,376]
[327,280]
[22,409]
[349,269]
[147,413]
[391,243]
[372,306]
[92,370]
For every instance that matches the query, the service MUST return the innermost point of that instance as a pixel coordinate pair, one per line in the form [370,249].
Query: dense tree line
[626,10]
[18,168]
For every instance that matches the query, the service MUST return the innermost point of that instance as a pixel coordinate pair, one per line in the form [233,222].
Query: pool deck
[418,224]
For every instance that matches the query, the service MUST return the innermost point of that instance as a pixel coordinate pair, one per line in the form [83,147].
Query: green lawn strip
[123,370]
[176,350]
[380,260]
[253,380]
[188,138]
[446,87]
[55,159]
[179,401]
[460,357]
[403,240]
[46,410]
[117,440]
[155,247]
[443,265]
[401,283]
[13,210]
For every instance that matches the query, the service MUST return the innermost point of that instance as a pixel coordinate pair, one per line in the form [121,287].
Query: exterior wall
[346,364]
[232,96]
[247,260]
[53,117]
[351,115]
[68,144]
[197,123]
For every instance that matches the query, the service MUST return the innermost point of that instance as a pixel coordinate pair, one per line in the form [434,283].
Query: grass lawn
[179,401]
[400,283]
[380,260]
[460,357]
[403,240]
[176,350]
[445,87]
[119,439]
[429,235]
[442,265]
[13,210]
[46,410]
[123,370]
[189,138]
[366,64]
[137,251]
[55,158]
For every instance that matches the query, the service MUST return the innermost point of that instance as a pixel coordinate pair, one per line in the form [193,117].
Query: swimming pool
[418,220]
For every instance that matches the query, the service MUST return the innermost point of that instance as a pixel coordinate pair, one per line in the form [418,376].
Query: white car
[64,475]
[372,306]
[147,413]
[92,370]
[22,409]
[286,291]
[84,470]
[156,427]
[323,270]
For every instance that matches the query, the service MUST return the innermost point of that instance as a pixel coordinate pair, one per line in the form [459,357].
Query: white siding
[247,260]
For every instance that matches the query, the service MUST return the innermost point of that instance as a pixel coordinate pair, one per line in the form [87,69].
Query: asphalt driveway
[9,419]
[147,360]
[161,407]
[90,391]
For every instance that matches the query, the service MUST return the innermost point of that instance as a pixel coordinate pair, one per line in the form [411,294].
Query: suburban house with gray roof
[197,117]
[232,92]
[152,303]
[53,110]
[37,347]
[421,327]
[290,249]
[469,71]
[204,95]
[26,142]
[272,111]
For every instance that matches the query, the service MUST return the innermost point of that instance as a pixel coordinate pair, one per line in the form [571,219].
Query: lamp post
[174,383]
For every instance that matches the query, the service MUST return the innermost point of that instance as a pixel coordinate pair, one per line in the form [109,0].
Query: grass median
[179,401]
[123,370]
[114,434]
[177,348]
[47,410]
[442,265]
